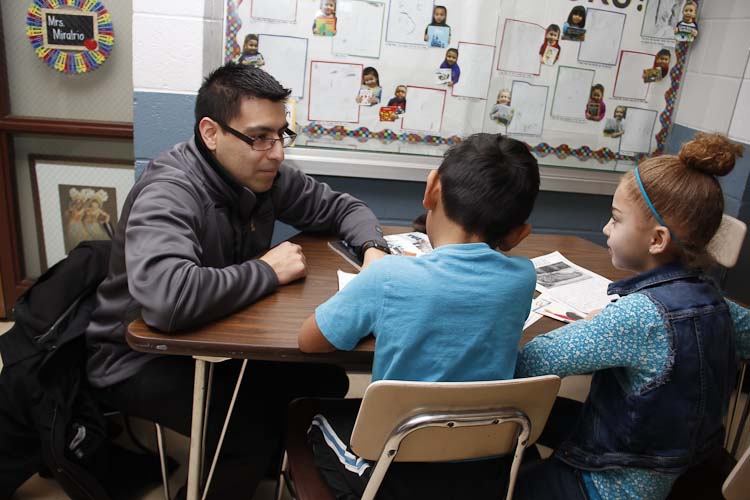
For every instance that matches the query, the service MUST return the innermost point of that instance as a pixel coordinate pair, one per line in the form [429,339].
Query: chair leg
[281,484]
[522,439]
[162,460]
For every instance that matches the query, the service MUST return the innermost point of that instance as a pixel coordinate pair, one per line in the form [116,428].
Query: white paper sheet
[639,131]
[359,26]
[333,91]
[475,61]
[572,92]
[519,49]
[660,18]
[629,83]
[344,278]
[407,20]
[286,60]
[529,103]
[424,109]
[278,10]
[604,31]
[573,285]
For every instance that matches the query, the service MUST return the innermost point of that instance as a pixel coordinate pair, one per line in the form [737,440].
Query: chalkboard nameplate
[69,30]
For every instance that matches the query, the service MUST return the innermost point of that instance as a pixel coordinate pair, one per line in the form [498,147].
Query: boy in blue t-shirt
[453,315]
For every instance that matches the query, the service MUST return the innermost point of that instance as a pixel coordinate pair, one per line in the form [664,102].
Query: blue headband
[651,205]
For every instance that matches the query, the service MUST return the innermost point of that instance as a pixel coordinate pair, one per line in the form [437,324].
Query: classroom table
[267,329]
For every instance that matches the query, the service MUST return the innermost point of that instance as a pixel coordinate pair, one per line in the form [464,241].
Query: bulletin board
[594,99]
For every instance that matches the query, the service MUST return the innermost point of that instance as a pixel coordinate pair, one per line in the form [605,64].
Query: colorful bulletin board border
[584,153]
[66,61]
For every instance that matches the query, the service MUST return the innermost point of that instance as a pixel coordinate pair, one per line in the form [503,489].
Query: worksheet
[333,91]
[519,48]
[359,27]
[572,92]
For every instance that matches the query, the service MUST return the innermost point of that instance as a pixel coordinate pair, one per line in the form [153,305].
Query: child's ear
[433,191]
[208,129]
[514,237]
[660,240]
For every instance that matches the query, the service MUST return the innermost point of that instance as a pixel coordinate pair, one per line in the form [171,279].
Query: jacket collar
[658,276]
[237,197]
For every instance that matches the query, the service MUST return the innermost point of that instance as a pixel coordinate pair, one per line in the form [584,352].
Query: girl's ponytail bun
[712,154]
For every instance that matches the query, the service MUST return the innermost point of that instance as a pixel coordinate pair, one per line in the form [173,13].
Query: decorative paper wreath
[66,61]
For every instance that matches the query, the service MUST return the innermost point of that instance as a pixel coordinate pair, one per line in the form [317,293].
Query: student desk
[267,330]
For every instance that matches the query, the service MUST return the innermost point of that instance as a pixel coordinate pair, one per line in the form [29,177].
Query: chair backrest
[726,244]
[737,484]
[388,403]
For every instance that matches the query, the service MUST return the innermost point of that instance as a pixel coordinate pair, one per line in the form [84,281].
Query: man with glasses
[193,245]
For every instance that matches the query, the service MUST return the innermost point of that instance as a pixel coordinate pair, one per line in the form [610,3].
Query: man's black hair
[222,92]
[489,185]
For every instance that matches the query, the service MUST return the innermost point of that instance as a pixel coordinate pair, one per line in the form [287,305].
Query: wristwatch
[373,244]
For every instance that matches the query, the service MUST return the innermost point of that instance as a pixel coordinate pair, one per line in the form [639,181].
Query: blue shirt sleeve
[622,335]
[741,320]
[354,312]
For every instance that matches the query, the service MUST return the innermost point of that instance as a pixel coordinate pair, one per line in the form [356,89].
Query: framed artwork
[75,200]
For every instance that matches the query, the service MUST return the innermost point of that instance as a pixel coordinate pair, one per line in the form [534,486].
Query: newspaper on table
[412,244]
[563,281]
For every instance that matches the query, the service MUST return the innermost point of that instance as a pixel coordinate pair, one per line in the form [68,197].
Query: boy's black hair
[251,36]
[664,52]
[222,92]
[581,11]
[452,50]
[433,14]
[489,185]
[552,27]
[597,86]
[369,70]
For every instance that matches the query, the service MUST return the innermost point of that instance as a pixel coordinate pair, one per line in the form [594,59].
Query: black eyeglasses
[261,143]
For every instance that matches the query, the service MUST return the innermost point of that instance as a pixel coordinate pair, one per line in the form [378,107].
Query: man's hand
[371,255]
[287,261]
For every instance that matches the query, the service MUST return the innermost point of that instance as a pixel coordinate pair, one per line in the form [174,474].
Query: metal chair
[430,422]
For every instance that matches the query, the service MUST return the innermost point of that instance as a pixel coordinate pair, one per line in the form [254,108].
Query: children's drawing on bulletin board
[659,19]
[406,21]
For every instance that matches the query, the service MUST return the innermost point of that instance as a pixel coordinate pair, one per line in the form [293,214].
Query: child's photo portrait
[438,32]
[574,28]
[325,21]
[549,52]
[660,68]
[595,107]
[370,91]
[250,55]
[449,72]
[615,127]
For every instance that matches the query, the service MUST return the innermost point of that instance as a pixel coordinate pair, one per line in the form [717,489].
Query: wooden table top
[267,329]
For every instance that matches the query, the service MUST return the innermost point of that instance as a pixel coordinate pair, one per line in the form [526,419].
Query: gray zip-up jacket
[186,249]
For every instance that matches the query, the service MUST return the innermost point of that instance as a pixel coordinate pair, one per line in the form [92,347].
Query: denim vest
[676,421]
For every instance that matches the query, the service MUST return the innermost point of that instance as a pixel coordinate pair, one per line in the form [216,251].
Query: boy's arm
[347,317]
[311,339]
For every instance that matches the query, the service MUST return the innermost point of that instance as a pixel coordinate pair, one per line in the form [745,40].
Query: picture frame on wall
[75,200]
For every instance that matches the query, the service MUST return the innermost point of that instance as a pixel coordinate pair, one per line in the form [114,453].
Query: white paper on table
[407,20]
[344,278]
[529,104]
[572,92]
[476,69]
[519,48]
[604,31]
[286,60]
[639,131]
[660,18]
[359,27]
[533,318]
[573,285]
[425,111]
[547,305]
[277,10]
[334,88]
[629,83]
